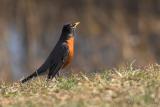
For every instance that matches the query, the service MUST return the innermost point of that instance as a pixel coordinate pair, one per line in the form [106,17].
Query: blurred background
[111,33]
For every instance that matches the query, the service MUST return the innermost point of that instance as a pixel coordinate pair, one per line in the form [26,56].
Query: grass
[122,87]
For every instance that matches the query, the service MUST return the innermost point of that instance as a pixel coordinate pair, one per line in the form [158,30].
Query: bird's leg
[52,74]
[58,75]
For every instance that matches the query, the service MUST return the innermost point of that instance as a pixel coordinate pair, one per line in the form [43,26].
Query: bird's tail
[40,71]
[35,74]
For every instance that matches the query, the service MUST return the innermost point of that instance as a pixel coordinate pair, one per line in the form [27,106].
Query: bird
[61,55]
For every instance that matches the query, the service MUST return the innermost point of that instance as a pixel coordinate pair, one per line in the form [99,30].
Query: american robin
[60,56]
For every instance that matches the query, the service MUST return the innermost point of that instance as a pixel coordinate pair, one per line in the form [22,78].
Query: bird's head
[69,30]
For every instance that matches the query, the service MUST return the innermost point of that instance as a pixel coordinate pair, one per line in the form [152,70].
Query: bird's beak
[75,24]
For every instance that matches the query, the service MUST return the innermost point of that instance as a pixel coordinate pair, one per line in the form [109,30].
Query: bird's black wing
[61,57]
[43,68]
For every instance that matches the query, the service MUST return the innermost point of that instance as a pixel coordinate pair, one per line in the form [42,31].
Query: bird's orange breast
[70,43]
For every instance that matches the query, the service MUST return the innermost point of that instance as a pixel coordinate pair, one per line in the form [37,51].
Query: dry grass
[122,87]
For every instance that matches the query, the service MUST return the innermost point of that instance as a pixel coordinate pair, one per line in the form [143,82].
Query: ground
[121,87]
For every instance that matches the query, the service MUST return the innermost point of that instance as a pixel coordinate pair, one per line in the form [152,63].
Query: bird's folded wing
[61,57]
